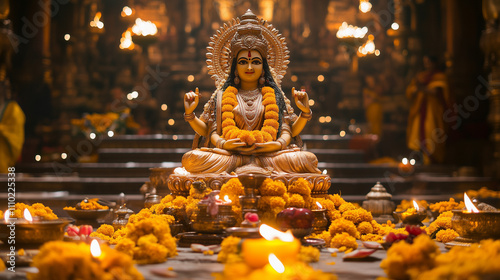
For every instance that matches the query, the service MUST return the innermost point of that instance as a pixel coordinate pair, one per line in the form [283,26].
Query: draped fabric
[215,160]
[426,131]
[11,134]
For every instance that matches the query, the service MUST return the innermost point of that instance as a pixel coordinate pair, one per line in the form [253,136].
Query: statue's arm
[191,100]
[302,101]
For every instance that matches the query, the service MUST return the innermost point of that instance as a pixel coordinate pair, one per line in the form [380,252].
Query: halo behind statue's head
[250,33]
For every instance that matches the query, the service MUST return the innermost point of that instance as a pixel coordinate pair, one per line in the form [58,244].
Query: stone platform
[179,184]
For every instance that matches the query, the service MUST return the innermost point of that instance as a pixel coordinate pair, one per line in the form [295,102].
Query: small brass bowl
[411,219]
[203,222]
[88,214]
[477,226]
[243,232]
[34,234]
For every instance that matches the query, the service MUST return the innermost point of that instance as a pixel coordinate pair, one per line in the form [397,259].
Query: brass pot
[34,234]
[320,221]
[477,226]
[204,222]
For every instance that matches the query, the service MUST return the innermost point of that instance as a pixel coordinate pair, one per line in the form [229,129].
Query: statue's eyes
[256,62]
[242,62]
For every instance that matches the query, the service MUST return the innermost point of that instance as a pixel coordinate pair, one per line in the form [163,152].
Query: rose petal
[359,254]
[372,245]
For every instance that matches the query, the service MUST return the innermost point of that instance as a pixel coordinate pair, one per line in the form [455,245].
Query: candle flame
[217,197]
[276,263]
[469,205]
[324,172]
[350,31]
[95,249]
[226,199]
[6,216]
[27,215]
[97,21]
[270,233]
[319,205]
[144,28]
[404,161]
[415,205]
[126,42]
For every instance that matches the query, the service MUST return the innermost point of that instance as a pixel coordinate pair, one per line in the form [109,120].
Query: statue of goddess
[248,121]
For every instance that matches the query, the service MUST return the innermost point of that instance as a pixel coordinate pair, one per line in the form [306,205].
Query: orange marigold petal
[268,101]
[267,90]
[270,130]
[272,115]
[227,108]
[228,122]
[272,123]
[272,107]
[231,89]
[267,137]
[259,138]
[227,115]
[234,133]
[226,129]
[269,95]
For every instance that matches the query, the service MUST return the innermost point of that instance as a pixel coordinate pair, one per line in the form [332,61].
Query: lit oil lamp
[412,216]
[213,215]
[95,249]
[320,221]
[31,232]
[473,225]
[283,245]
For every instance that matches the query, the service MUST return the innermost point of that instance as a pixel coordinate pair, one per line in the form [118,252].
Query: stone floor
[197,266]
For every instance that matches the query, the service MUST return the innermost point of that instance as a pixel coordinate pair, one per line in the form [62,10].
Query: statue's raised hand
[301,100]
[191,100]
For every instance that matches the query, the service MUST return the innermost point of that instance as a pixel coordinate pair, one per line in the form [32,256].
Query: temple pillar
[490,43]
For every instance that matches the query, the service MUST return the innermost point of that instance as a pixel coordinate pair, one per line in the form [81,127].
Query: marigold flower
[300,186]
[273,107]
[446,235]
[227,108]
[365,228]
[346,206]
[228,246]
[228,122]
[272,115]
[342,225]
[309,254]
[444,206]
[337,200]
[295,200]
[274,188]
[344,239]
[406,261]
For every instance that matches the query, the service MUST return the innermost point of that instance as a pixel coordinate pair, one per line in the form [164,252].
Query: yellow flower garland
[269,130]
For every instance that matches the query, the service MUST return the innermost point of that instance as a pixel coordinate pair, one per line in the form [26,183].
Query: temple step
[413,185]
[110,155]
[364,142]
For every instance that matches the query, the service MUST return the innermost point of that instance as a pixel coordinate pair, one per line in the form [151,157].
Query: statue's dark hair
[280,101]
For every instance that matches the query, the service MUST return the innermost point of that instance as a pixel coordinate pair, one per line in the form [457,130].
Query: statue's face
[249,65]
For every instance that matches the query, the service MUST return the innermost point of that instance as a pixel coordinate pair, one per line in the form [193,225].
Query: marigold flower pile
[236,268]
[36,210]
[90,204]
[443,206]
[269,130]
[406,261]
[67,260]
[483,192]
[108,233]
[148,238]
[422,260]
